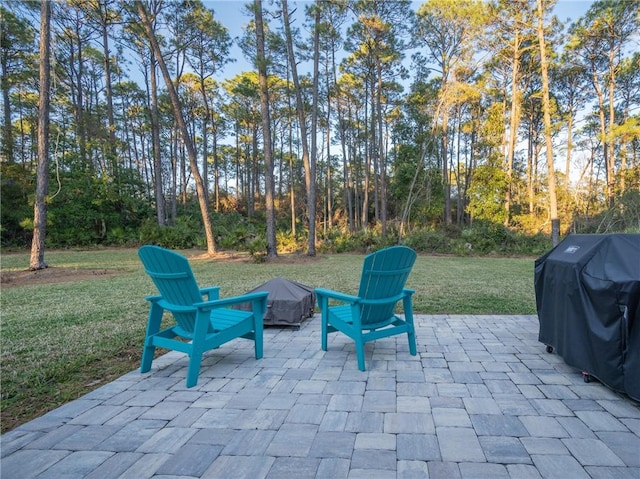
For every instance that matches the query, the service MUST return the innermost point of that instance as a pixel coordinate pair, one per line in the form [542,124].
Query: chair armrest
[212,292]
[245,298]
[175,308]
[153,299]
[345,298]
[164,304]
[211,304]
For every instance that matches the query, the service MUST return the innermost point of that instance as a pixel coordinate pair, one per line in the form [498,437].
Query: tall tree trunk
[252,171]
[329,222]
[364,204]
[530,161]
[623,151]
[567,168]
[161,214]
[373,150]
[459,173]
[514,122]
[216,170]
[238,155]
[173,206]
[381,156]
[553,202]
[81,126]
[610,143]
[346,177]
[205,136]
[311,250]
[7,146]
[103,12]
[184,174]
[359,179]
[411,198]
[36,260]
[446,180]
[205,154]
[603,134]
[292,184]
[306,160]
[266,131]
[186,138]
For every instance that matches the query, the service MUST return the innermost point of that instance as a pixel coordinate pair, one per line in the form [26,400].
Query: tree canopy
[371,119]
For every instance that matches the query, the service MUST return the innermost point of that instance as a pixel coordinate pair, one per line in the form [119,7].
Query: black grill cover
[288,303]
[588,301]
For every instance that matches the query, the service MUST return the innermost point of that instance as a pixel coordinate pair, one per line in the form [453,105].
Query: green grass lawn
[61,340]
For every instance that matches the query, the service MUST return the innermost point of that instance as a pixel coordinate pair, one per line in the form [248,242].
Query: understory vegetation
[91,218]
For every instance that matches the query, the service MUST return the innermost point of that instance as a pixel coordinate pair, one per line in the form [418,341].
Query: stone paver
[481,399]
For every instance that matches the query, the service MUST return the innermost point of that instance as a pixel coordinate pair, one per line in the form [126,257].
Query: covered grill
[588,301]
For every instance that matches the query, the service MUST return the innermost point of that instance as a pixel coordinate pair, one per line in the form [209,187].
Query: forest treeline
[451,125]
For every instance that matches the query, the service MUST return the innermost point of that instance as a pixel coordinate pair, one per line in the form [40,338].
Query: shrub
[428,241]
[186,233]
[235,231]
[258,249]
[119,236]
[484,237]
[286,242]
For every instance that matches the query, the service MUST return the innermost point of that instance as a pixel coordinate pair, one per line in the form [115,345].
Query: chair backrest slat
[156,275]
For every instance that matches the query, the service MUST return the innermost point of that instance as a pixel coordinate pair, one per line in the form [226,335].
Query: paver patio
[481,399]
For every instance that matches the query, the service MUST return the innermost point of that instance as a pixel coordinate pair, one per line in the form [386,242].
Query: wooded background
[385,121]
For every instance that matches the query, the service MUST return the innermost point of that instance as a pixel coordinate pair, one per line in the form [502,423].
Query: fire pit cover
[288,304]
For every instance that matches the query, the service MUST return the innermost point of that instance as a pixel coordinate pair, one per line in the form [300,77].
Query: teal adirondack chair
[201,318]
[370,315]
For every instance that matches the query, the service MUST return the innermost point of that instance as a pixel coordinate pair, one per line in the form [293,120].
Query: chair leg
[325,329]
[360,352]
[147,358]
[197,346]
[259,310]
[195,358]
[258,337]
[412,342]
[408,317]
[153,326]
